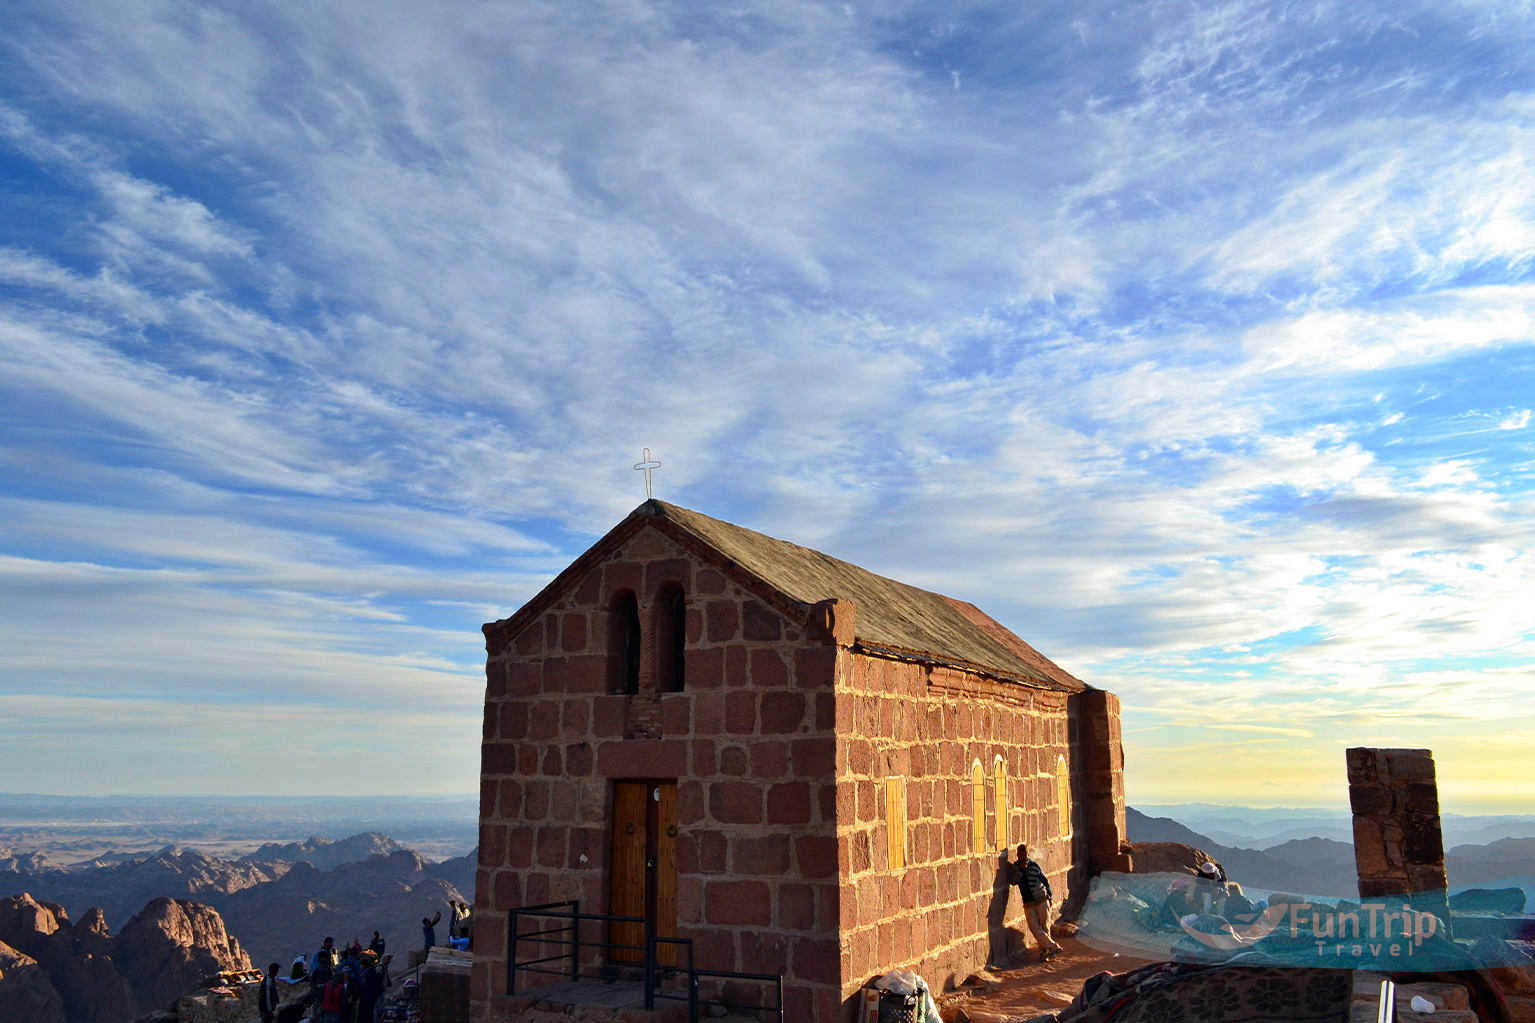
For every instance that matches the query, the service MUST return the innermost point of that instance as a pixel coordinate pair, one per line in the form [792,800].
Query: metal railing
[566,937]
[768,978]
[570,913]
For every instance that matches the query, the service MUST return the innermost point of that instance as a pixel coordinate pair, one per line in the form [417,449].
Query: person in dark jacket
[376,946]
[1034,886]
[429,929]
[267,996]
[372,991]
[321,973]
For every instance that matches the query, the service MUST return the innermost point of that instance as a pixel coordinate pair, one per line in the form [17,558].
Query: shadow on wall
[996,913]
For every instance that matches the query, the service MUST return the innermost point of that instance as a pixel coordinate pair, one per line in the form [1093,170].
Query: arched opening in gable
[671,638]
[624,645]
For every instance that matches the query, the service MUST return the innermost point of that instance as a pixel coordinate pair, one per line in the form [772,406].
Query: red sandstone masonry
[781,743]
[929,725]
[748,741]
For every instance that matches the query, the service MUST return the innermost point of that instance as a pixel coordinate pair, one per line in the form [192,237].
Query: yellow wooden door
[643,882]
[664,918]
[626,889]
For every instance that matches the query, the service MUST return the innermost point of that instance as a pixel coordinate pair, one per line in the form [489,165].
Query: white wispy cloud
[333,330]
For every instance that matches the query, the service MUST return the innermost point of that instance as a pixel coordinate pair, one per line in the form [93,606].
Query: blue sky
[1192,340]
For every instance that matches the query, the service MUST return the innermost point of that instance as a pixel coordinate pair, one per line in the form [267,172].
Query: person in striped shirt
[1034,886]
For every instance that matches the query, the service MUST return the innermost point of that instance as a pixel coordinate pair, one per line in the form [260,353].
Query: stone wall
[749,739]
[943,913]
[1398,848]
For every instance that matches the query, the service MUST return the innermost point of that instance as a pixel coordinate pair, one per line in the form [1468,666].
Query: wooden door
[626,890]
[643,881]
[663,914]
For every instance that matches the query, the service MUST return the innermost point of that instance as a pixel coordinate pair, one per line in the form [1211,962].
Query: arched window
[977,807]
[999,794]
[624,645]
[671,637]
[1063,794]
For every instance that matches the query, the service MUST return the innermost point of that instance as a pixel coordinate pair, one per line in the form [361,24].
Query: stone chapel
[807,769]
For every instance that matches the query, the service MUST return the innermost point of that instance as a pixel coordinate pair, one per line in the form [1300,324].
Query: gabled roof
[892,617]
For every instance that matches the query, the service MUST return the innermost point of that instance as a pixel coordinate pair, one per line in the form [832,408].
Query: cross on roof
[646,466]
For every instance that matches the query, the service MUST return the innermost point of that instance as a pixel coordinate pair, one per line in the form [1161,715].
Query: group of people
[346,985]
[460,923]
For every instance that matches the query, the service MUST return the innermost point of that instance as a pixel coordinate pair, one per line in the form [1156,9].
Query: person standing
[376,946]
[429,929]
[372,991]
[1034,886]
[267,996]
[333,1000]
[321,973]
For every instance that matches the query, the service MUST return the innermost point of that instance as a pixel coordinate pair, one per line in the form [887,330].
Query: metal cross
[646,466]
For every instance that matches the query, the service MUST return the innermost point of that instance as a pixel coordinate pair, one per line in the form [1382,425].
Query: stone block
[782,712]
[1374,799]
[620,577]
[705,761]
[676,714]
[734,761]
[713,848]
[690,802]
[1409,765]
[815,667]
[738,903]
[816,856]
[796,906]
[578,760]
[741,713]
[768,670]
[524,679]
[769,760]
[764,952]
[550,850]
[642,758]
[708,713]
[586,674]
[722,620]
[704,669]
[734,802]
[669,570]
[573,633]
[1420,798]
[767,856]
[760,623]
[737,666]
[519,846]
[608,715]
[789,803]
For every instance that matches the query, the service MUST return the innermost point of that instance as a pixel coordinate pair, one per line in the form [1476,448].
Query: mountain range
[280,901]
[1325,866]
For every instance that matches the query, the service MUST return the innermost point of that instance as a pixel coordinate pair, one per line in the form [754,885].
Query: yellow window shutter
[999,781]
[895,821]
[1063,794]
[977,808]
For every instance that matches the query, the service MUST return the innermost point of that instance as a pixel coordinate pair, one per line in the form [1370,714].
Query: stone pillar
[1103,779]
[1398,849]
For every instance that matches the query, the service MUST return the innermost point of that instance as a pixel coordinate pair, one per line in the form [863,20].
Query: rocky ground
[1032,988]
